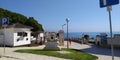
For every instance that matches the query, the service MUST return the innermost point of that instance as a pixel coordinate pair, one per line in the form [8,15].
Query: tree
[19,18]
[13,17]
[33,23]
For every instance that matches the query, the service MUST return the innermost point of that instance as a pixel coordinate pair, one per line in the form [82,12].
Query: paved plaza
[102,53]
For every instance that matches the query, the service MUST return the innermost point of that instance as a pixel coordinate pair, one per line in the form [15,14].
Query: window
[19,33]
[26,38]
[22,34]
[18,39]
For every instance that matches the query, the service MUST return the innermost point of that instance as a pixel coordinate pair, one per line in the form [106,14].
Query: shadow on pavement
[101,51]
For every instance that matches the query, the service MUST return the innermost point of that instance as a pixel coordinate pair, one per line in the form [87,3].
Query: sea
[91,34]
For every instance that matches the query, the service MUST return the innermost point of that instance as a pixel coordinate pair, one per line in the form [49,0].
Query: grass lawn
[73,55]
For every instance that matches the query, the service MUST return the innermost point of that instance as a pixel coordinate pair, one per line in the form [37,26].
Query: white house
[16,35]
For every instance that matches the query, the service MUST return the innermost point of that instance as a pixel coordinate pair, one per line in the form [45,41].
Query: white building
[16,35]
[40,38]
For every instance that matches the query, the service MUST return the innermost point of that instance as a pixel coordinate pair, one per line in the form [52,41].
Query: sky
[84,15]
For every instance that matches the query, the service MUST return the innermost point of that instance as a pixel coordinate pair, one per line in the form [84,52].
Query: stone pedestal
[52,46]
[52,43]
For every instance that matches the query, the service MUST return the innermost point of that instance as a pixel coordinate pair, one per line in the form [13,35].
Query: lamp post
[67,20]
[63,25]
[109,8]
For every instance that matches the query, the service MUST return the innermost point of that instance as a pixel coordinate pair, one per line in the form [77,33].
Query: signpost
[108,4]
[5,22]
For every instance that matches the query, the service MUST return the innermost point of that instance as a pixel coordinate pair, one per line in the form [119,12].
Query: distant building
[16,35]
[103,40]
[116,40]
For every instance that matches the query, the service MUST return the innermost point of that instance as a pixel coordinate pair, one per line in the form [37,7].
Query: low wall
[116,41]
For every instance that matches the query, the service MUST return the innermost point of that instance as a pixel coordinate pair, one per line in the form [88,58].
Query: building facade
[16,35]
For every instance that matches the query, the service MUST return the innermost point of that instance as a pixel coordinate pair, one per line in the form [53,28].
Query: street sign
[5,21]
[105,3]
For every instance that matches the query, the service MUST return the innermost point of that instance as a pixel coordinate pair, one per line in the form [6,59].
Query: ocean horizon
[91,34]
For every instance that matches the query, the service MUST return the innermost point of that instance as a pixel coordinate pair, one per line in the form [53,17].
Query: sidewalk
[5,58]
[11,55]
[102,53]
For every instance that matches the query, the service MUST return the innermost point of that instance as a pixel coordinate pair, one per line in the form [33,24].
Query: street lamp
[67,20]
[63,25]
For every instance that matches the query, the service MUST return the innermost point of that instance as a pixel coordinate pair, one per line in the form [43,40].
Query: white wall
[42,36]
[1,37]
[9,36]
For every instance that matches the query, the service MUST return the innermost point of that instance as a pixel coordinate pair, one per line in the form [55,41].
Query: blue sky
[84,15]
